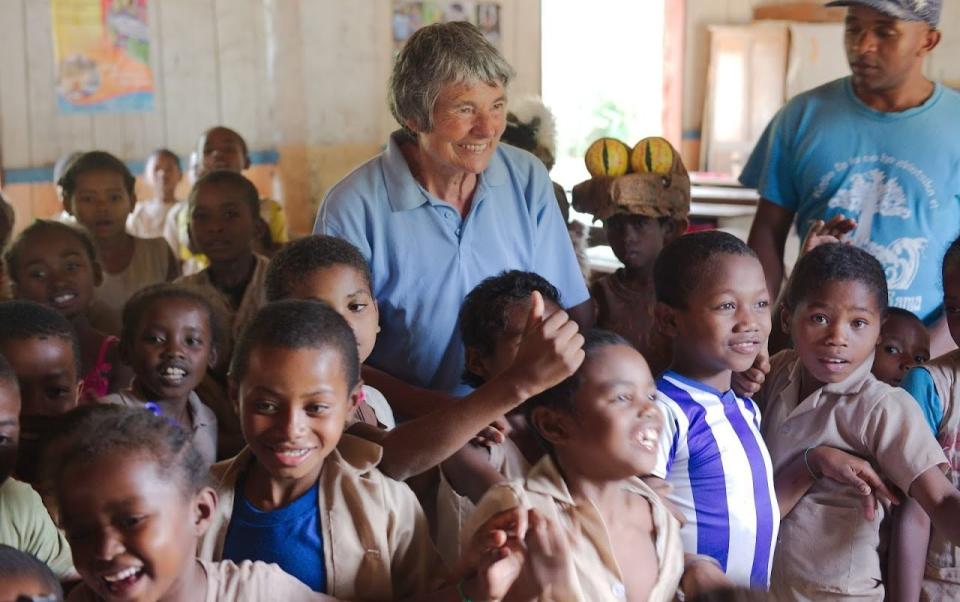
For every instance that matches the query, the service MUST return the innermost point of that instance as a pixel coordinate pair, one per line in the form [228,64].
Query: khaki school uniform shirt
[229,582]
[827,549]
[150,264]
[254,296]
[942,574]
[26,526]
[203,418]
[596,576]
[376,542]
[454,509]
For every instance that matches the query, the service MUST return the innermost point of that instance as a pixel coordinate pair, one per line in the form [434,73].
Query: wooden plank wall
[306,78]
[700,14]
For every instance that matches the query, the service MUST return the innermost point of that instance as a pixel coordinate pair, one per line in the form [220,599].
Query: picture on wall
[409,16]
[102,56]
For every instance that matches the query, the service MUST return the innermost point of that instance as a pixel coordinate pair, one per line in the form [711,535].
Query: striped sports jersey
[713,456]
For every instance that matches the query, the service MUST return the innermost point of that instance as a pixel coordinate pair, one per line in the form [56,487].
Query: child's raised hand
[493,434]
[848,469]
[550,351]
[821,232]
[495,555]
[749,382]
[547,566]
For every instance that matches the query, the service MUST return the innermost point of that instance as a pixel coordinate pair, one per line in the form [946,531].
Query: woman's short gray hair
[436,55]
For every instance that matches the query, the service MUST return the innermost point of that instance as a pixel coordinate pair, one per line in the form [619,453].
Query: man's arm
[768,237]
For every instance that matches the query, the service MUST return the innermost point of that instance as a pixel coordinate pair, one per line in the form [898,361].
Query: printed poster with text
[102,55]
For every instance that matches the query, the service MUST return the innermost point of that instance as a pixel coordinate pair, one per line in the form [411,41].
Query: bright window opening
[602,75]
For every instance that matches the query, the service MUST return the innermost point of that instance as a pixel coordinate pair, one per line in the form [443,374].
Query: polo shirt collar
[405,193]
[545,478]
[851,385]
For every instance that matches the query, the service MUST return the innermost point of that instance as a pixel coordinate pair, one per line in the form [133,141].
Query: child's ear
[474,362]
[97,273]
[356,396]
[233,392]
[79,391]
[553,425]
[261,229]
[666,318]
[674,228]
[124,352]
[204,507]
[213,357]
[785,320]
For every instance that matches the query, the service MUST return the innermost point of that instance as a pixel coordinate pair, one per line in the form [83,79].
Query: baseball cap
[905,10]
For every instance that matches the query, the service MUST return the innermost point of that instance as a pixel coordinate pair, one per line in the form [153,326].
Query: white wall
[943,65]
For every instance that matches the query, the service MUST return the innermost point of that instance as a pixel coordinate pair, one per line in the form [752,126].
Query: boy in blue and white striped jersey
[712,301]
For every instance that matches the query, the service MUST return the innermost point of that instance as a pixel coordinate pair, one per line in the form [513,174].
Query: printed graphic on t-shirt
[881,187]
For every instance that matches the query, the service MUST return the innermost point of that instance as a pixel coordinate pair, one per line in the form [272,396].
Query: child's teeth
[125,574]
[63,298]
[174,372]
[294,452]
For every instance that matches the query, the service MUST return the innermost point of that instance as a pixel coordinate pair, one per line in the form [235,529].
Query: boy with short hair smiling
[601,426]
[304,494]
[330,269]
[712,302]
[224,214]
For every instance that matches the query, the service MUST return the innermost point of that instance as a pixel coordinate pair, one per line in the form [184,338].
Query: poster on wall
[102,56]
[410,16]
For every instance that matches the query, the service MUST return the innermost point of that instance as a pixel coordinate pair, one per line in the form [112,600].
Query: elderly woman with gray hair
[443,207]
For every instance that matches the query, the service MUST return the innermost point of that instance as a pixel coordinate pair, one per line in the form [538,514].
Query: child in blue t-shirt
[934,386]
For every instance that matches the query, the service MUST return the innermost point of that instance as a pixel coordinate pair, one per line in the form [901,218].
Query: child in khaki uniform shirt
[936,387]
[823,394]
[134,497]
[538,354]
[295,377]
[170,337]
[98,190]
[641,212]
[223,221]
[602,426]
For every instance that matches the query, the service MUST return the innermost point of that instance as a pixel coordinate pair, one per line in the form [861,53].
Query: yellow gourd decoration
[652,155]
[608,157]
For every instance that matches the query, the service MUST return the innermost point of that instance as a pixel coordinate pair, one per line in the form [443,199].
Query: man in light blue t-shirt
[881,147]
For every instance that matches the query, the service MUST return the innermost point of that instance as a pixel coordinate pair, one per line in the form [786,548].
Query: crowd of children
[209,437]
